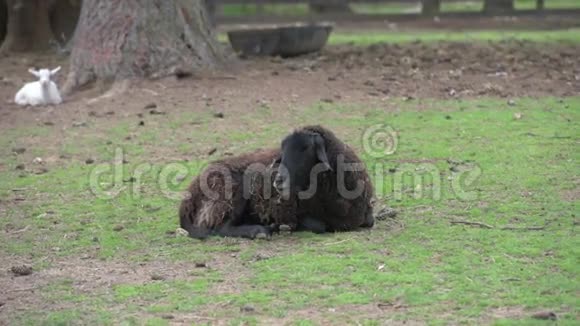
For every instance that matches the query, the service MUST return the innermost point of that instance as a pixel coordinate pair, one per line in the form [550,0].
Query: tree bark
[28,27]
[430,7]
[498,6]
[329,6]
[3,20]
[120,40]
[540,5]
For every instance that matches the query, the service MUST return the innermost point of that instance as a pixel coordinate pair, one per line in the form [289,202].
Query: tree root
[118,88]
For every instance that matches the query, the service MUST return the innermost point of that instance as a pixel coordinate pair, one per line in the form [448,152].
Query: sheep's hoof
[261,236]
[285,228]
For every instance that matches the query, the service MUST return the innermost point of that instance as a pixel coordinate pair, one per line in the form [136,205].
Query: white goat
[41,92]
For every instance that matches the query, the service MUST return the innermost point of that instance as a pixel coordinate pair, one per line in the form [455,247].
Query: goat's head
[303,153]
[44,75]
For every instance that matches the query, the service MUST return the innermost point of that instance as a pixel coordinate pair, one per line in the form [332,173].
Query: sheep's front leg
[235,226]
[244,231]
[311,224]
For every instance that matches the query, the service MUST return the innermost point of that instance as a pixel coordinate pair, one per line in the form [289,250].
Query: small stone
[157,277]
[386,212]
[89,161]
[19,150]
[156,112]
[79,124]
[167,316]
[200,265]
[179,232]
[218,115]
[151,208]
[511,102]
[212,151]
[518,116]
[21,270]
[20,167]
[141,123]
[118,228]
[247,308]
[258,257]
[38,160]
[150,106]
[545,315]
[42,170]
[49,123]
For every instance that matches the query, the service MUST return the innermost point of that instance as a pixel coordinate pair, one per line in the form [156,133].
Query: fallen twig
[509,227]
[482,225]
[527,228]
[337,242]
[24,289]
[21,230]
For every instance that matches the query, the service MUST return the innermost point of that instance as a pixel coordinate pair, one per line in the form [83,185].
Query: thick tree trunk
[28,27]
[430,7]
[329,6]
[3,20]
[119,40]
[498,6]
[539,4]
[64,15]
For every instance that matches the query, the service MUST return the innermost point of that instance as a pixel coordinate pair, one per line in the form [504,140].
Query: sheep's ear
[321,151]
[34,72]
[54,71]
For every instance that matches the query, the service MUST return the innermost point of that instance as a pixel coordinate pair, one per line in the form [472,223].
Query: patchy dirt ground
[339,74]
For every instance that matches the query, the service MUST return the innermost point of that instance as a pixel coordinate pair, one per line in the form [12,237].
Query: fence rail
[357,17]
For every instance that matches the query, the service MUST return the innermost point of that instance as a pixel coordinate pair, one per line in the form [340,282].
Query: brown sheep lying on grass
[234,197]
[314,182]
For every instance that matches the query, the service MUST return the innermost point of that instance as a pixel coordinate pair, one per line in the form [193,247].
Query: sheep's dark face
[303,154]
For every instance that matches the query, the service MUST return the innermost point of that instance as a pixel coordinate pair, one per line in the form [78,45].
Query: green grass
[435,272]
[266,9]
[386,8]
[366,38]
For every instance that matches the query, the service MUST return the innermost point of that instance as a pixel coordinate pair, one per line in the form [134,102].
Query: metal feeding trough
[285,41]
